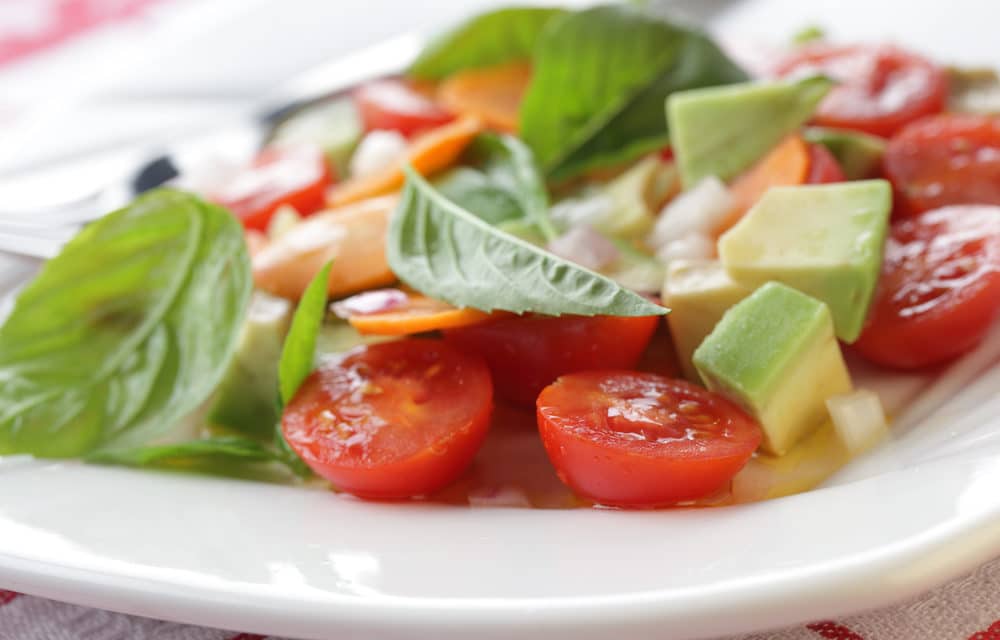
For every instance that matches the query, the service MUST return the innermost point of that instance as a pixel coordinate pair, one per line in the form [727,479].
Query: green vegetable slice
[504,187]
[599,81]
[485,40]
[442,250]
[126,331]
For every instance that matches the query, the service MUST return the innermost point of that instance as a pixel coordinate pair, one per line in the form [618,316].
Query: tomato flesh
[296,176]
[393,420]
[879,90]
[945,160]
[525,354]
[823,167]
[393,104]
[640,440]
[939,291]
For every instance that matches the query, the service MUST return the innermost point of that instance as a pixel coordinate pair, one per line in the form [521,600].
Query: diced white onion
[859,419]
[585,247]
[285,217]
[696,211]
[587,209]
[692,246]
[375,151]
[369,302]
[505,496]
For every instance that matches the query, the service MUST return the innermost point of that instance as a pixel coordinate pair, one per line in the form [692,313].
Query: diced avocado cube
[858,154]
[774,353]
[334,125]
[722,131]
[974,91]
[698,293]
[635,196]
[245,400]
[824,240]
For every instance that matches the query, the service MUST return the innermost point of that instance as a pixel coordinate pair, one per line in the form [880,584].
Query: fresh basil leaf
[299,351]
[126,331]
[488,39]
[447,253]
[599,82]
[504,187]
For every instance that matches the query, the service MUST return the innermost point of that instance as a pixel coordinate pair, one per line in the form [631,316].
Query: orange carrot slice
[430,152]
[492,94]
[353,236]
[416,315]
[785,165]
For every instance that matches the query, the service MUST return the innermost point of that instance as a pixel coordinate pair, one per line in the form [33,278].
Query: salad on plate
[563,259]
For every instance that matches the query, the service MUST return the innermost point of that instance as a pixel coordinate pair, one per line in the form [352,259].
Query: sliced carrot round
[492,94]
[416,314]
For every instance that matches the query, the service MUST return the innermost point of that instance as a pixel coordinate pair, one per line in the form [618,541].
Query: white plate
[304,563]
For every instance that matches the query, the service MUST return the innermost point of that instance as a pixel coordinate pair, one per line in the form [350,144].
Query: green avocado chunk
[824,240]
[858,154]
[775,354]
[333,125]
[698,293]
[723,131]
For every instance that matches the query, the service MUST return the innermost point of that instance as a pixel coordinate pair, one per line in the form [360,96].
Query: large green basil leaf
[444,251]
[600,80]
[488,39]
[503,185]
[126,331]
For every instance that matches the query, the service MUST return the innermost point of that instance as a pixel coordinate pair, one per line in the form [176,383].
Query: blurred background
[85,77]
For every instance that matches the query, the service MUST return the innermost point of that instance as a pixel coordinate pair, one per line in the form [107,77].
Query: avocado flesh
[775,354]
[723,131]
[858,154]
[334,125]
[635,196]
[698,293]
[825,240]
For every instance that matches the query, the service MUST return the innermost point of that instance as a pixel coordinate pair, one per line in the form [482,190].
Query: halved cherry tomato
[394,104]
[823,167]
[632,439]
[880,88]
[939,291]
[944,160]
[296,176]
[527,353]
[392,420]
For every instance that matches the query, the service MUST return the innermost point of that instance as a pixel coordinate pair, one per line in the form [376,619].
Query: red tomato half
[632,439]
[944,160]
[392,420]
[823,167]
[527,353]
[879,88]
[296,176]
[939,291]
[394,104]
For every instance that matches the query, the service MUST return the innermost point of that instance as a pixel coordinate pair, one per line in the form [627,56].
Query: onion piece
[503,496]
[376,151]
[588,208]
[698,210]
[859,419]
[285,217]
[370,302]
[693,246]
[585,247]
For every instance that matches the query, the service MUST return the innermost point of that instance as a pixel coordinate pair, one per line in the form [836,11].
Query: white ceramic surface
[305,563]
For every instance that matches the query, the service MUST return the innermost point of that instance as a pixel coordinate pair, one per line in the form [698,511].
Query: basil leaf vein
[446,252]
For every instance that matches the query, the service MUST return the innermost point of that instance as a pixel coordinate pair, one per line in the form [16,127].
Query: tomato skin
[880,88]
[296,176]
[945,160]
[639,440]
[527,353]
[823,167]
[393,420]
[939,291]
[393,104]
